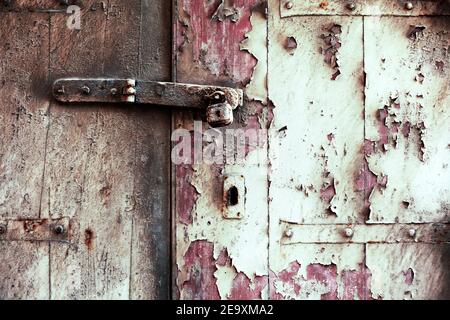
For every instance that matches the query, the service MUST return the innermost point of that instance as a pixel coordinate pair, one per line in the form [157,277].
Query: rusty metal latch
[218,102]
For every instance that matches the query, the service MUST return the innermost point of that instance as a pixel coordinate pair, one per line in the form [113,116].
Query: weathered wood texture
[104,166]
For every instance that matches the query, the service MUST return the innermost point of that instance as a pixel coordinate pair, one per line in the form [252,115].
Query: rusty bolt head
[412,233]
[409,6]
[288,233]
[219,115]
[348,232]
[289,5]
[59,229]
[3,229]
[351,6]
[85,89]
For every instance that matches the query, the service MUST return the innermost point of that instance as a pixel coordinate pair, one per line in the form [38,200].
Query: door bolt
[348,232]
[86,90]
[59,229]
[409,6]
[412,233]
[289,5]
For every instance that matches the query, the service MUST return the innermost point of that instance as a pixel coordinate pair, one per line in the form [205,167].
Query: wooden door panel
[105,167]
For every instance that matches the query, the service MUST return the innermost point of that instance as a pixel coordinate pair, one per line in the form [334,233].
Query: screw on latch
[289,233]
[351,6]
[289,5]
[348,232]
[409,6]
[86,90]
[412,233]
[59,229]
[3,229]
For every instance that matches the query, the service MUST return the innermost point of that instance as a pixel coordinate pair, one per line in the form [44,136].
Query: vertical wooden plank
[91,156]
[150,260]
[23,121]
[24,270]
[316,83]
[215,257]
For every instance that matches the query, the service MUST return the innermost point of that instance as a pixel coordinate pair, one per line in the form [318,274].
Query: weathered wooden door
[84,189]
[353,198]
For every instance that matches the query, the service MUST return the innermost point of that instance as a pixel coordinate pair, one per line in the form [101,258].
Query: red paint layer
[200,265]
[186,194]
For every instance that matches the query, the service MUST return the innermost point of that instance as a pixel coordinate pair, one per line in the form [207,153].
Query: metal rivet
[288,233]
[114,91]
[412,233]
[86,89]
[59,229]
[351,6]
[348,232]
[3,229]
[409,6]
[289,5]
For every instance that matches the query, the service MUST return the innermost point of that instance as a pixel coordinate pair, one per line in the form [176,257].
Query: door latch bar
[218,102]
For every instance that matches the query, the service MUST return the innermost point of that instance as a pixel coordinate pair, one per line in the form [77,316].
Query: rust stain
[89,239]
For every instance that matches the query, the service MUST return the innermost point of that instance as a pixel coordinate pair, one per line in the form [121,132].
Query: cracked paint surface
[365,148]
[215,256]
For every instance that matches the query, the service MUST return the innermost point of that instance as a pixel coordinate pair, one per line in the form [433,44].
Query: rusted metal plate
[291,8]
[407,61]
[35,230]
[384,233]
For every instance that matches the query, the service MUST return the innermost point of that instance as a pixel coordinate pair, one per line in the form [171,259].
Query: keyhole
[233,196]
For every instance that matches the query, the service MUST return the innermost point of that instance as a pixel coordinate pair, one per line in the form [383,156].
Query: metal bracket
[35,230]
[218,102]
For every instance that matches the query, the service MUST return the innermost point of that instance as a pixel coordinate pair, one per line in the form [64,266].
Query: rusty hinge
[218,102]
